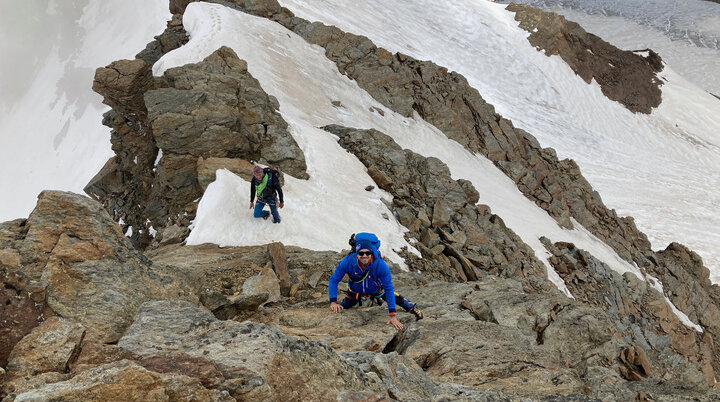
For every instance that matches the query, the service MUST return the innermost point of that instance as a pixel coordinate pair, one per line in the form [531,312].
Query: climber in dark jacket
[266,185]
[369,279]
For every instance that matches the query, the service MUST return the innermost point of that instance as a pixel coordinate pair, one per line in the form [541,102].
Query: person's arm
[335,278]
[386,281]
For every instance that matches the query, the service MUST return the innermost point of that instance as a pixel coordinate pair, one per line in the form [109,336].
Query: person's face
[364,256]
[258,175]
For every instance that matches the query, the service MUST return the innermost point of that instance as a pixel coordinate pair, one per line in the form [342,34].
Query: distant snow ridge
[685,34]
[695,21]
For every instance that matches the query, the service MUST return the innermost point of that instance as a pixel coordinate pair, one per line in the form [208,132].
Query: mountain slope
[531,287]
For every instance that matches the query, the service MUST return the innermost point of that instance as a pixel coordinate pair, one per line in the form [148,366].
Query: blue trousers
[260,213]
[352,298]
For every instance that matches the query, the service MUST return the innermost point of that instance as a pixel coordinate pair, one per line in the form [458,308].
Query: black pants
[352,298]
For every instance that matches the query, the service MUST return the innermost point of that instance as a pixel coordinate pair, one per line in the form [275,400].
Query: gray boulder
[260,361]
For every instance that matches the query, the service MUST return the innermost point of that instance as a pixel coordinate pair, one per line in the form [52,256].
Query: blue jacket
[377,281]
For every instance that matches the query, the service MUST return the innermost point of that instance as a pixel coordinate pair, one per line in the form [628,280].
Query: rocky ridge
[623,76]
[456,237]
[446,100]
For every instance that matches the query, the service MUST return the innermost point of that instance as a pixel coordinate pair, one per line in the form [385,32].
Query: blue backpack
[364,236]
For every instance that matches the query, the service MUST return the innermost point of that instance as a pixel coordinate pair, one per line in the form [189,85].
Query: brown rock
[10,259]
[441,213]
[623,76]
[96,354]
[94,275]
[123,83]
[205,370]
[126,381]
[49,347]
[178,6]
[265,282]
[637,366]
[206,169]
[467,266]
[279,260]
[294,289]
[706,348]
[380,178]
[18,385]
[20,312]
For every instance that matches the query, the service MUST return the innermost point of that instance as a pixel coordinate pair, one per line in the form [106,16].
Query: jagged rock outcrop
[687,284]
[623,76]
[172,38]
[70,259]
[457,239]
[640,314]
[164,127]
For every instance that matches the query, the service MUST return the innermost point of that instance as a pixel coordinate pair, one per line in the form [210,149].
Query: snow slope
[662,169]
[51,132]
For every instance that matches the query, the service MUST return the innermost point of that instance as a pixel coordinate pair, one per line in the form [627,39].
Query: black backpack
[272,183]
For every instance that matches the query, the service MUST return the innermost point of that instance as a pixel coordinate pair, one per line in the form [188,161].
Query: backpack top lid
[365,238]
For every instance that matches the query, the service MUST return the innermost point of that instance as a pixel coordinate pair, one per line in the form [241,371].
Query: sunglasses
[363,253]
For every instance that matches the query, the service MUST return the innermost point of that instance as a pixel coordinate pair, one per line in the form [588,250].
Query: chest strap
[367,273]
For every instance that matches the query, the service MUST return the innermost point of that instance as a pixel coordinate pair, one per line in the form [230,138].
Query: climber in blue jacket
[369,279]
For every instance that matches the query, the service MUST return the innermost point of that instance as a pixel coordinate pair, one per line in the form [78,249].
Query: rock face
[126,381]
[23,306]
[74,261]
[165,128]
[258,362]
[640,313]
[623,76]
[687,284]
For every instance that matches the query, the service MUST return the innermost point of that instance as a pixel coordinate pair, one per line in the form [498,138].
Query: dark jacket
[272,187]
